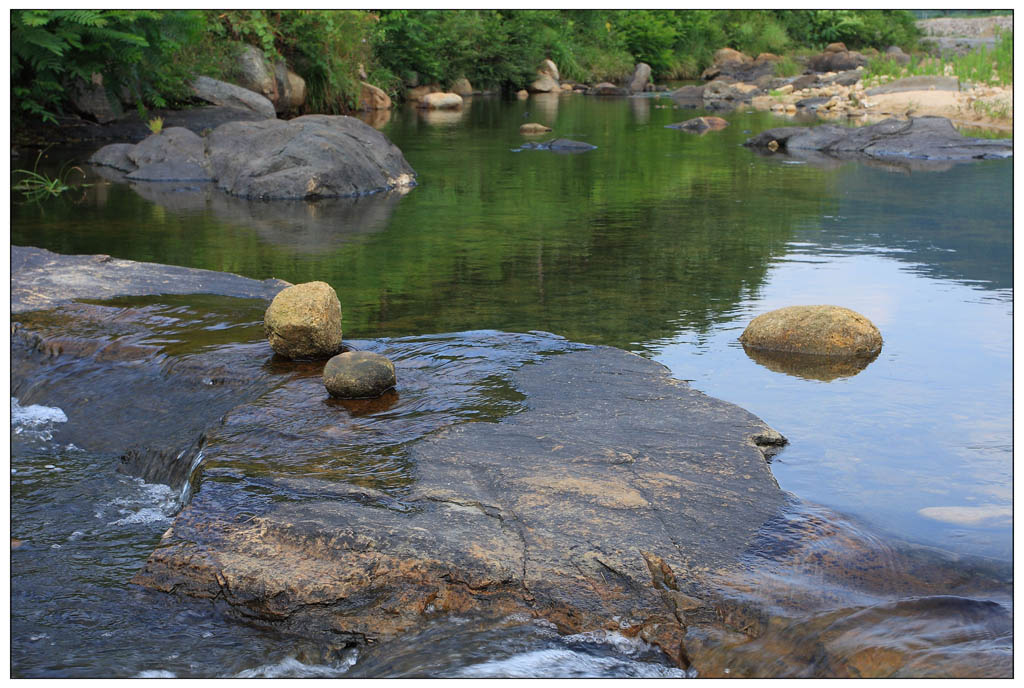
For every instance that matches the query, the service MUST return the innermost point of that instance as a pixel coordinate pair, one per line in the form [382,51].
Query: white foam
[631,647]
[35,415]
[293,668]
[156,673]
[565,663]
[35,421]
[152,503]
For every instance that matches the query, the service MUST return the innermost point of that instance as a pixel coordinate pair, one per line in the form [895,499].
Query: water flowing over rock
[818,330]
[229,95]
[923,138]
[359,375]
[589,491]
[304,321]
[604,505]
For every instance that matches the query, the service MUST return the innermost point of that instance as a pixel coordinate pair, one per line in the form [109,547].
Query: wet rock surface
[605,504]
[928,138]
[359,375]
[41,279]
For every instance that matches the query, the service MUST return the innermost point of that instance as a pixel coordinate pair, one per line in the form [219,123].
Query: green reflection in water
[655,230]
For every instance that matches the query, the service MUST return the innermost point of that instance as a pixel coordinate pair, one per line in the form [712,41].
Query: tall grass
[983,66]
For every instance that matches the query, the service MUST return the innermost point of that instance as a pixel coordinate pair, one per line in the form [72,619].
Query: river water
[658,242]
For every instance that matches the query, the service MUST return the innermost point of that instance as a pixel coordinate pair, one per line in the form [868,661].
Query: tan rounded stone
[441,101]
[819,330]
[304,321]
[533,128]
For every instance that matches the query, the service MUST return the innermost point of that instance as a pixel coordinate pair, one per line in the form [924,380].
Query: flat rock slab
[924,138]
[41,279]
[606,504]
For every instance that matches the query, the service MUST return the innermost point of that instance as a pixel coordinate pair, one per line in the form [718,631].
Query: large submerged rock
[592,491]
[606,504]
[307,157]
[927,138]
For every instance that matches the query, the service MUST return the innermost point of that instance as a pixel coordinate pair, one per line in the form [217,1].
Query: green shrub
[134,49]
[856,28]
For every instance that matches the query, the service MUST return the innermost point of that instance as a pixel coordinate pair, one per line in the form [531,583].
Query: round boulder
[441,101]
[304,321]
[359,375]
[818,330]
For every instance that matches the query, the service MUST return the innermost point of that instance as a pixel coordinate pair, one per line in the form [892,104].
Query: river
[658,242]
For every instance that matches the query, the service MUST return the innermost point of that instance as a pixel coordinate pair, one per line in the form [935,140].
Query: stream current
[658,242]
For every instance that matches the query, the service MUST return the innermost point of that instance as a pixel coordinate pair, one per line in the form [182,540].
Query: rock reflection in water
[821,595]
[835,160]
[304,226]
[375,118]
[809,366]
[443,118]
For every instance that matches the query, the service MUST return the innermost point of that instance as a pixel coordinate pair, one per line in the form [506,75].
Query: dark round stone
[359,375]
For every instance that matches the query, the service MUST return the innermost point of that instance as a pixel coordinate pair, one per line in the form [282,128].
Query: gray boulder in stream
[924,138]
[307,157]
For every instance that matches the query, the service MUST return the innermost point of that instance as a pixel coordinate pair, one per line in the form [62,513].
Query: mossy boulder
[817,330]
[359,375]
[304,321]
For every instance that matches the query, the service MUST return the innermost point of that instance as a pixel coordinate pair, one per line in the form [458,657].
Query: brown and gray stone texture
[359,375]
[304,321]
[819,330]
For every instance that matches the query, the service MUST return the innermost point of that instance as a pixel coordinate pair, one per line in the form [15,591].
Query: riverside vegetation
[147,56]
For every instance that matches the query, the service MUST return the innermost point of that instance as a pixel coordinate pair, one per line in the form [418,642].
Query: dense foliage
[137,50]
[151,53]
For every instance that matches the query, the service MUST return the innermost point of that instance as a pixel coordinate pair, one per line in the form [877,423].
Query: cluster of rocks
[258,87]
[312,156]
[548,81]
[303,322]
[735,79]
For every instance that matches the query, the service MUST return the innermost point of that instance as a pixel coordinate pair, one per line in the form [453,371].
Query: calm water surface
[659,242]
